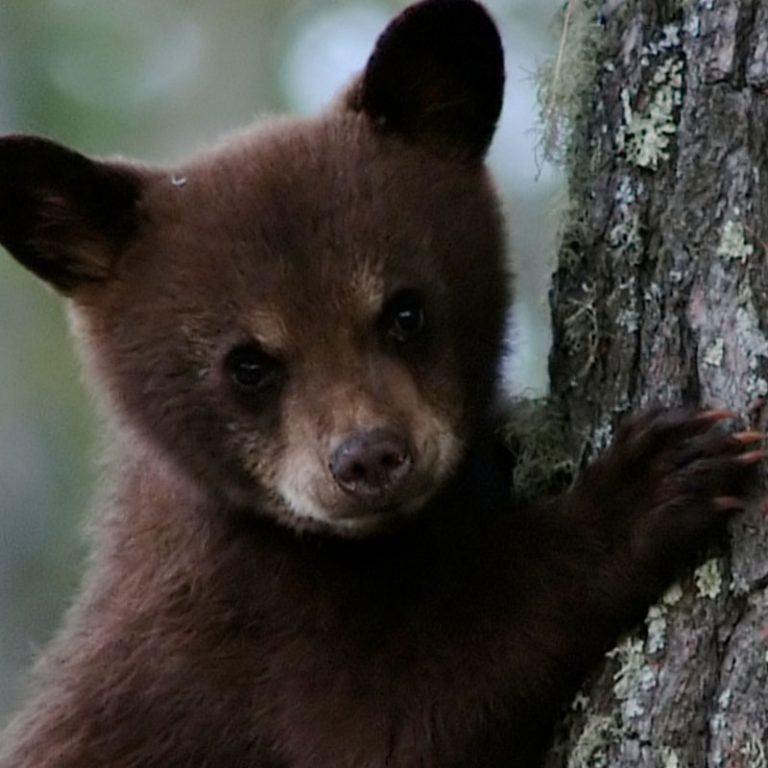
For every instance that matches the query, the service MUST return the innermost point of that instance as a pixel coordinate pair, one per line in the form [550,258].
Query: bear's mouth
[368,523]
[355,515]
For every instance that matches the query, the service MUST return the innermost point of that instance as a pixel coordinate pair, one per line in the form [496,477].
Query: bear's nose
[372,464]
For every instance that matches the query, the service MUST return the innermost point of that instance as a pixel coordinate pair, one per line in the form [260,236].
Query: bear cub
[309,556]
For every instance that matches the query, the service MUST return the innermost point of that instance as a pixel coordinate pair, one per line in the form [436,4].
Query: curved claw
[713,415]
[753,457]
[745,438]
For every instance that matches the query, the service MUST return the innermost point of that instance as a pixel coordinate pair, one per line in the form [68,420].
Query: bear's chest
[422,704]
[413,682]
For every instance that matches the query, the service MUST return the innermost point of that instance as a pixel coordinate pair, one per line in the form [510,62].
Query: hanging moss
[566,82]
[542,465]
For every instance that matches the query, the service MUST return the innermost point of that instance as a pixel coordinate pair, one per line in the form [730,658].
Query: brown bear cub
[309,555]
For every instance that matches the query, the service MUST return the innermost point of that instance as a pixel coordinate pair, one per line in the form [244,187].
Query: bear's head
[307,319]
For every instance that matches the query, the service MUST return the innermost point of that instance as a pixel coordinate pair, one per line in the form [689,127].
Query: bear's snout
[372,464]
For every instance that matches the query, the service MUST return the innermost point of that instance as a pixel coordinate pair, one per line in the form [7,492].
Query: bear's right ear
[436,76]
[63,215]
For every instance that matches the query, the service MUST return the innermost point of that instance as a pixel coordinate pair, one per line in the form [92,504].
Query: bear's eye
[251,368]
[403,317]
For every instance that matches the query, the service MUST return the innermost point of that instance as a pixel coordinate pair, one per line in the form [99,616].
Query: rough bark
[661,295]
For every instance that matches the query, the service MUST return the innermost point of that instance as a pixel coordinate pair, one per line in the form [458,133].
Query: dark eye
[251,368]
[403,316]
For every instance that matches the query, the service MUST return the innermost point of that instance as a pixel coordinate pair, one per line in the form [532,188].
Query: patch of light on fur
[292,484]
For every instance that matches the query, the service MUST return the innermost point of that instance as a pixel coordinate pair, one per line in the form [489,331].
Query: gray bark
[661,295]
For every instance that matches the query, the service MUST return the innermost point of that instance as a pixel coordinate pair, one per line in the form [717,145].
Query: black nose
[372,464]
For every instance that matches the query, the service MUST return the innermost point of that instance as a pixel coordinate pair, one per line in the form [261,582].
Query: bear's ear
[436,75]
[62,215]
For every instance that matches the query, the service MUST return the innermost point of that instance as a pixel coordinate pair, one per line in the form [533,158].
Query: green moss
[646,136]
[656,624]
[715,353]
[708,579]
[750,338]
[673,595]
[633,676]
[733,245]
[591,749]
[668,758]
[535,435]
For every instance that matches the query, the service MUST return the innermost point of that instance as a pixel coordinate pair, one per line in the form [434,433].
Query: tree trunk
[660,295]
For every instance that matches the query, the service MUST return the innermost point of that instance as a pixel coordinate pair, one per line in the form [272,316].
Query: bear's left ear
[62,215]
[436,75]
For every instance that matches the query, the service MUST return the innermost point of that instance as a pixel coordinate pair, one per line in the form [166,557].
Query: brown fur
[242,606]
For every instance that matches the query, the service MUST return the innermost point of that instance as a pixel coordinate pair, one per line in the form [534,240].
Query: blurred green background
[154,80]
